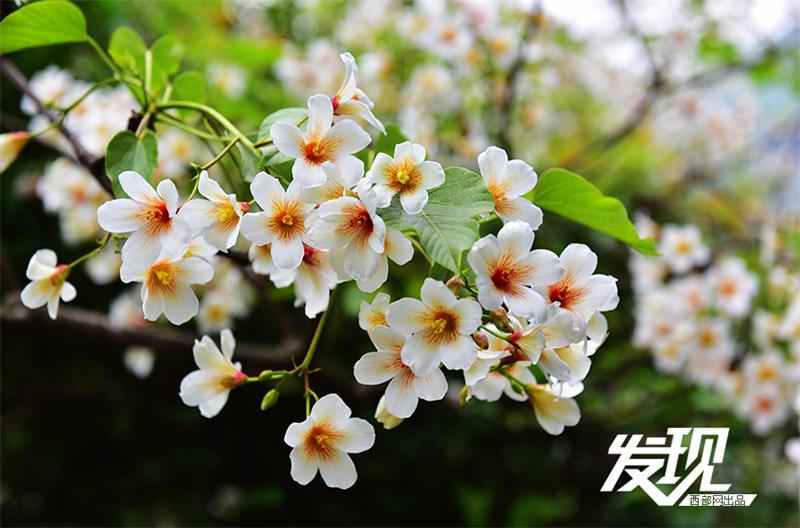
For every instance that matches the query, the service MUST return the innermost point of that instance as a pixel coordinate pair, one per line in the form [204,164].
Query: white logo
[642,463]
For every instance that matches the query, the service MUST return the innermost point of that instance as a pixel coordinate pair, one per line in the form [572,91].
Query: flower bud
[10,146]
[463,396]
[386,418]
[500,320]
[481,340]
[454,284]
[269,399]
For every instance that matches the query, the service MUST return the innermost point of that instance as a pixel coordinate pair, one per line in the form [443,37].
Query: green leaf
[386,142]
[448,225]
[189,86]
[127,152]
[167,54]
[571,196]
[286,115]
[127,49]
[42,24]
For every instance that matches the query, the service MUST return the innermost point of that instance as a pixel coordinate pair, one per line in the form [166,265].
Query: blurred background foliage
[84,442]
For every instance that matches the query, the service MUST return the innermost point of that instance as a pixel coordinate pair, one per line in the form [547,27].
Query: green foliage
[286,115]
[386,142]
[448,225]
[189,86]
[571,196]
[166,56]
[127,49]
[42,24]
[127,152]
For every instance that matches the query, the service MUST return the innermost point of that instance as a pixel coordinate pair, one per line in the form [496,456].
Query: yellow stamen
[164,277]
[438,326]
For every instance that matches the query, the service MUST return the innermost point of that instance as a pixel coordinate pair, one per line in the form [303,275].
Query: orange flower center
[319,150]
[320,441]
[163,277]
[157,219]
[287,220]
[404,176]
[226,216]
[358,224]
[441,325]
[562,293]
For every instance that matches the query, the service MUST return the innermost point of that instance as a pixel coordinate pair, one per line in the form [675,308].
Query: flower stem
[92,253]
[219,156]
[312,347]
[103,55]
[496,334]
[207,110]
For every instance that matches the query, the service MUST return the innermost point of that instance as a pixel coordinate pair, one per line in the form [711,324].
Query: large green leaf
[448,225]
[127,49]
[167,53]
[42,24]
[286,115]
[127,152]
[571,196]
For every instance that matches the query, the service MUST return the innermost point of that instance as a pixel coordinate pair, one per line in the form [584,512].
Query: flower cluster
[512,319]
[721,325]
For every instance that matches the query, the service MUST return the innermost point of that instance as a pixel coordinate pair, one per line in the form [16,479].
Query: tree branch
[97,327]
[96,166]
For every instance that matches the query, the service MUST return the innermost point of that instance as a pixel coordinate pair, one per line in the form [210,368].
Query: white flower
[540,342]
[165,286]
[441,328]
[682,247]
[508,271]
[494,384]
[789,328]
[734,286]
[405,388]
[765,406]
[261,258]
[218,218]
[103,268]
[766,368]
[50,85]
[10,146]
[229,79]
[554,409]
[580,292]
[150,217]
[349,100]
[352,227]
[406,174]
[397,248]
[48,283]
[313,280]
[508,181]
[65,185]
[126,309]
[320,143]
[322,442]
[372,315]
[384,417]
[336,185]
[176,149]
[139,361]
[282,222]
[209,386]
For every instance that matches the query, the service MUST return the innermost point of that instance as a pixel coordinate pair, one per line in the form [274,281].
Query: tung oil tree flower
[149,217]
[440,326]
[208,387]
[320,143]
[218,218]
[324,442]
[166,285]
[283,221]
[407,174]
[332,207]
[48,283]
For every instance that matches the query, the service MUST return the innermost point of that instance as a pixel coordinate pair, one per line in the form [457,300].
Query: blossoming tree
[320,195]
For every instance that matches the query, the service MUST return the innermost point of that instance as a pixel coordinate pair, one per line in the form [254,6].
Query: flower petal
[404,315]
[338,470]
[137,187]
[359,435]
[331,409]
[304,468]
[435,293]
[348,137]
[375,368]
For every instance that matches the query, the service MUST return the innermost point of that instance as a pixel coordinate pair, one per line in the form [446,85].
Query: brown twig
[95,326]
[96,166]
